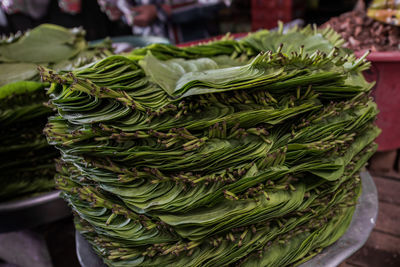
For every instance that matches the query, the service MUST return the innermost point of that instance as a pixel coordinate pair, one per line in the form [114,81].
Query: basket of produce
[231,152]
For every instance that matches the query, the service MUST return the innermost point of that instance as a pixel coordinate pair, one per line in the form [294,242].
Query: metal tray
[360,228]
[32,212]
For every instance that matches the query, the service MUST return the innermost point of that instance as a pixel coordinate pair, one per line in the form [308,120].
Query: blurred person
[21,12]
[146,17]
[22,15]
[178,20]
[33,8]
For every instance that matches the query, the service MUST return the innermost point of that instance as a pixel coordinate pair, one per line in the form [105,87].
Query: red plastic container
[385,71]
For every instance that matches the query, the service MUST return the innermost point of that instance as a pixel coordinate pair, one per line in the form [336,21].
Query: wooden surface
[383,246]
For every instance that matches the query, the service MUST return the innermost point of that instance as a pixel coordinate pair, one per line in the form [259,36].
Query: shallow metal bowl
[31,212]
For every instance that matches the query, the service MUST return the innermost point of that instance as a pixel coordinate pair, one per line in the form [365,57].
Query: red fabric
[72,7]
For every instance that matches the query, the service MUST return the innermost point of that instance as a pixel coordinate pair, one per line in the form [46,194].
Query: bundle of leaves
[228,153]
[27,160]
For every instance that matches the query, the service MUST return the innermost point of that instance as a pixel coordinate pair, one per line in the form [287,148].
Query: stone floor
[58,242]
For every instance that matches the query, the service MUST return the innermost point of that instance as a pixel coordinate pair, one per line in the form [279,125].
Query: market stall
[246,149]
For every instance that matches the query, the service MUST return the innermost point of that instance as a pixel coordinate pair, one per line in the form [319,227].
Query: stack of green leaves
[228,153]
[27,161]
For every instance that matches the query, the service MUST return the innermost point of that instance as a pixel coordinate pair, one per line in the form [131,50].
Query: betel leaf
[13,72]
[44,44]
[178,76]
[21,87]
[167,74]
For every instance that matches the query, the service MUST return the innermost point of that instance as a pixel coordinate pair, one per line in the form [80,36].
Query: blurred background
[185,21]
[188,19]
